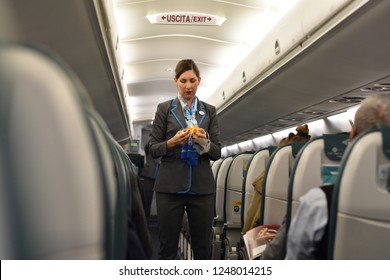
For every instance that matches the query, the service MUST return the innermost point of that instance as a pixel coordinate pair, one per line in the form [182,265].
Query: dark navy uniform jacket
[175,175]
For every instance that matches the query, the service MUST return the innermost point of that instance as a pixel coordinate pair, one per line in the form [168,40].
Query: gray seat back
[311,167]
[359,226]
[55,184]
[275,188]
[234,182]
[220,183]
[257,164]
[215,166]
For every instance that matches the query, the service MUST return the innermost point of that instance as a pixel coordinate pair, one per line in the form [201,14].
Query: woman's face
[187,84]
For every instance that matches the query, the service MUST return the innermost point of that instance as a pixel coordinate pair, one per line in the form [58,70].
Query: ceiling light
[291,119]
[312,112]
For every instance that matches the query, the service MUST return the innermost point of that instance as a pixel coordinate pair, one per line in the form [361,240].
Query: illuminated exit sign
[185,18]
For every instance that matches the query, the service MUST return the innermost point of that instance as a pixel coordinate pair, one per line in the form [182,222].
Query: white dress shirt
[308,226]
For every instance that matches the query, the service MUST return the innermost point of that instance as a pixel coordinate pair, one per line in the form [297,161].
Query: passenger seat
[359,225]
[313,167]
[276,179]
[53,181]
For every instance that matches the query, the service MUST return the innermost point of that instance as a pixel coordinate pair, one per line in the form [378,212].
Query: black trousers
[147,195]
[200,213]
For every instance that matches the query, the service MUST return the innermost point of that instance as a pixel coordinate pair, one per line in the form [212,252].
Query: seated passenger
[276,249]
[253,214]
[307,236]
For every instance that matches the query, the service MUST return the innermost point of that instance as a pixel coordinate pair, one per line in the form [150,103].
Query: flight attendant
[185,135]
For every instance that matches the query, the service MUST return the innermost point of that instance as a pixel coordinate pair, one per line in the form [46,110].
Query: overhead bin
[331,62]
[287,35]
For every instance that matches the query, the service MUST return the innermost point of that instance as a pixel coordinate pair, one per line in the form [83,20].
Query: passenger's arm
[276,249]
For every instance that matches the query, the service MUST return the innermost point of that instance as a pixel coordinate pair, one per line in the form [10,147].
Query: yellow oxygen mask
[193,129]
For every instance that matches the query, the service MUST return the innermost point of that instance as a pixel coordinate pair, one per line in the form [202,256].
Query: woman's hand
[179,138]
[200,138]
[199,133]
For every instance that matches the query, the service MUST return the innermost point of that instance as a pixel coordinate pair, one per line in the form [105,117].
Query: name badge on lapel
[201,113]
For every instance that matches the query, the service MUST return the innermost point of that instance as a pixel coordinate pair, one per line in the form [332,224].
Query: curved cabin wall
[330,125]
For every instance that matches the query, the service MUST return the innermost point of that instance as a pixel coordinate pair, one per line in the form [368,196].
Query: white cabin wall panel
[111,28]
[299,23]
[315,13]
[288,31]
[8,25]
[220,96]
[112,36]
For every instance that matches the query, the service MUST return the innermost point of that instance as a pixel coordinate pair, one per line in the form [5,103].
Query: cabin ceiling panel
[154,71]
[152,88]
[130,12]
[149,49]
[146,71]
[168,47]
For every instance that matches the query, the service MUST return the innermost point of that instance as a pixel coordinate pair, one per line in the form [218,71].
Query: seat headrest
[335,145]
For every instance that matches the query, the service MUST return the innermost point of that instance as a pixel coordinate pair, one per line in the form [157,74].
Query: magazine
[257,239]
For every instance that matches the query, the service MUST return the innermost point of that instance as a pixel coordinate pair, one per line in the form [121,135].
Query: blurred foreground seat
[57,195]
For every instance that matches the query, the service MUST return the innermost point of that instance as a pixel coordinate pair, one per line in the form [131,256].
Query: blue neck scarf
[188,151]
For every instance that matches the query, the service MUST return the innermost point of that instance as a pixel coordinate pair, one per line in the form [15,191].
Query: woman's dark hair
[185,65]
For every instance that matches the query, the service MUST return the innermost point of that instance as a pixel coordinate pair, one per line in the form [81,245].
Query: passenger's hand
[179,138]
